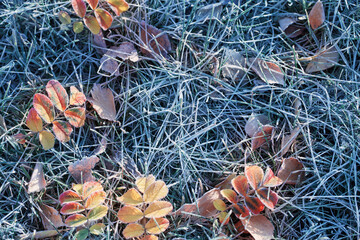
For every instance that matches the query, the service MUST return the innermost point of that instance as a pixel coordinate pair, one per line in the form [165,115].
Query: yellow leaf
[156,225]
[104,18]
[57,94]
[219,205]
[95,199]
[44,107]
[92,24]
[118,6]
[97,212]
[129,214]
[76,97]
[64,17]
[150,237]
[47,140]
[91,187]
[144,182]
[158,209]
[133,230]
[33,121]
[131,197]
[155,191]
[75,220]
[78,27]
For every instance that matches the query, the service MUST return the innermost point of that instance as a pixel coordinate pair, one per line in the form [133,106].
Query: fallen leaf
[269,72]
[81,169]
[76,116]
[33,121]
[103,102]
[317,15]
[101,147]
[290,27]
[37,181]
[40,234]
[203,206]
[104,18]
[44,107]
[288,140]
[99,41]
[234,65]
[254,122]
[50,217]
[259,227]
[322,60]
[262,136]
[291,171]
[153,41]
[20,138]
[209,12]
[62,130]
[109,65]
[226,183]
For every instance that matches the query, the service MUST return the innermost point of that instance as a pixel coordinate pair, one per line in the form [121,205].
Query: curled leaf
[62,130]
[47,139]
[291,171]
[57,94]
[44,107]
[33,121]
[104,18]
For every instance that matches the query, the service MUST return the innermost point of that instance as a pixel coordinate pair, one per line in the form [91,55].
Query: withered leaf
[291,171]
[259,227]
[208,12]
[317,15]
[254,122]
[153,41]
[103,102]
[81,169]
[37,181]
[290,27]
[234,65]
[268,72]
[288,140]
[323,59]
[50,217]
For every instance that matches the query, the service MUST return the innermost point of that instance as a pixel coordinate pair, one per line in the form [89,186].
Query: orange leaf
[69,196]
[62,130]
[150,237]
[44,107]
[144,182]
[240,210]
[33,121]
[240,184]
[153,41]
[76,97]
[129,214]
[317,15]
[219,205]
[93,3]
[95,199]
[76,220]
[50,217]
[254,175]
[91,187]
[57,94]
[81,169]
[71,208]
[291,171]
[268,72]
[155,191]
[267,197]
[103,102]
[37,181]
[270,180]
[254,204]
[224,218]
[131,197]
[158,209]
[76,116]
[47,139]
[79,7]
[92,24]
[229,195]
[156,225]
[259,227]
[118,6]
[104,18]
[133,230]
[262,136]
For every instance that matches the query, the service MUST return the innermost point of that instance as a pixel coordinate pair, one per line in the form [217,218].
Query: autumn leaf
[62,130]
[268,197]
[102,101]
[317,15]
[57,94]
[288,140]
[71,208]
[81,169]
[93,3]
[240,184]
[155,191]
[37,181]
[33,121]
[97,213]
[79,7]
[92,24]
[259,227]
[64,17]
[75,220]
[254,204]
[262,136]
[76,116]
[229,195]
[209,11]
[291,171]
[219,204]
[69,196]
[156,225]
[90,187]
[323,59]
[118,6]
[129,214]
[254,122]
[153,41]
[254,175]
[150,237]
[97,228]
[50,217]
[158,209]
[133,230]
[224,218]
[290,27]
[234,65]
[144,182]
[269,72]
[131,197]
[270,180]
[104,18]
[47,139]
[95,199]
[76,97]
[78,27]
[44,107]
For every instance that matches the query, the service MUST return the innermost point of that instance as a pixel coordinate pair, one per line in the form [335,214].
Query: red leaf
[262,136]
[76,116]
[254,175]
[44,107]
[91,187]
[57,94]
[270,180]
[254,204]
[79,7]
[62,130]
[104,18]
[69,196]
[259,227]
[33,121]
[71,208]
[317,15]
[92,25]
[229,195]
[240,210]
[93,3]
[240,184]
[267,197]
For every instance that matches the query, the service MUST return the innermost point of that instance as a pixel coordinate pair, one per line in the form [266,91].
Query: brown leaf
[208,12]
[259,227]
[269,72]
[153,41]
[323,59]
[288,140]
[226,183]
[254,122]
[234,65]
[99,43]
[317,15]
[50,217]
[291,171]
[290,27]
[103,102]
[81,169]
[262,136]
[203,206]
[40,234]
[37,181]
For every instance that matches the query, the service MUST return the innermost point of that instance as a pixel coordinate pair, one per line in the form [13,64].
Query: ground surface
[179,121]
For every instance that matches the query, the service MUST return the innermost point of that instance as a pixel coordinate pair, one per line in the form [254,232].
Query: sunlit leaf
[91,187]
[104,18]
[76,116]
[71,208]
[229,195]
[259,227]
[155,191]
[254,204]
[158,209]
[79,7]
[75,220]
[219,205]
[129,214]
[254,175]
[62,130]
[37,181]
[156,225]
[118,6]
[76,97]
[93,3]
[133,230]
[82,234]
[95,199]
[267,197]
[44,107]
[78,27]
[144,182]
[240,210]
[64,17]
[47,139]
[97,228]
[317,15]
[240,184]
[69,196]
[131,197]
[33,121]
[57,94]
[97,212]
[270,180]
[224,218]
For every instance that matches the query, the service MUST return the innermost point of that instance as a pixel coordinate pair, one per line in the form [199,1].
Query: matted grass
[179,121]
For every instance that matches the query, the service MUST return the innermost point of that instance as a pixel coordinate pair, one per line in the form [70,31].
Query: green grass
[181,123]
